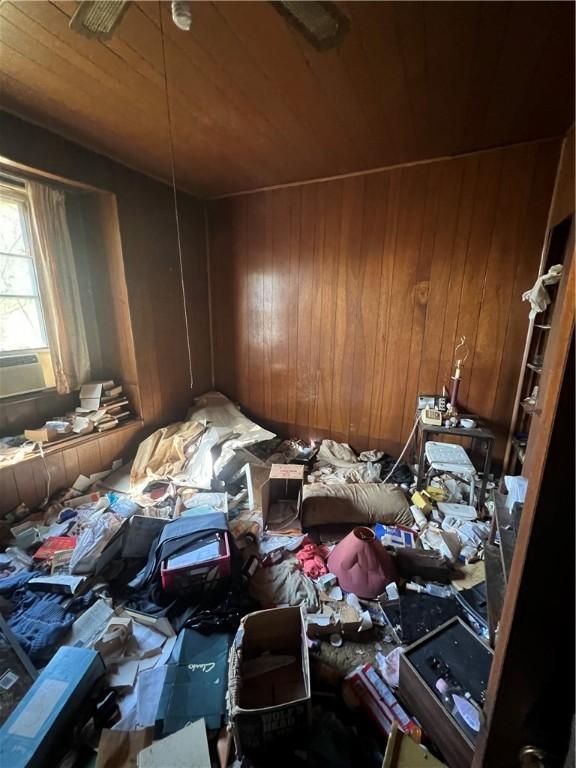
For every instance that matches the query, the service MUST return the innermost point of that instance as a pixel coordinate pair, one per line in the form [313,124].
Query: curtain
[59,288]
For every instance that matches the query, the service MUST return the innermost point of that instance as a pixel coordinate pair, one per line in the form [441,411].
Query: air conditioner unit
[20,373]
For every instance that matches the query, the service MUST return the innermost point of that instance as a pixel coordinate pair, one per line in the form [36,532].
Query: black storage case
[469,661]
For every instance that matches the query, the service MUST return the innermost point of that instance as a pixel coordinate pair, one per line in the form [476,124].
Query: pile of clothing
[338,463]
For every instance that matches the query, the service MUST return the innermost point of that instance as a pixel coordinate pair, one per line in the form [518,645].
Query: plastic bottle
[436,590]
[461,706]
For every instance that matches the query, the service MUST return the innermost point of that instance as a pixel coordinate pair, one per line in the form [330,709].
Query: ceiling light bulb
[182,14]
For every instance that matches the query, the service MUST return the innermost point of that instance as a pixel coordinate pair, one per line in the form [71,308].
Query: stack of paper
[103,403]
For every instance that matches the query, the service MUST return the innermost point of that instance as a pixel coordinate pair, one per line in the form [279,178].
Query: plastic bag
[446,543]
[92,541]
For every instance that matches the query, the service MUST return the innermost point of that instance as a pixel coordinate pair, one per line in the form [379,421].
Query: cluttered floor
[233,598]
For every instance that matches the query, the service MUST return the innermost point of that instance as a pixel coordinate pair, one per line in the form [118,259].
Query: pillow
[366,503]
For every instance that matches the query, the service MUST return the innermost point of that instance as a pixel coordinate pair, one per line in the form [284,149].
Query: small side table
[478,433]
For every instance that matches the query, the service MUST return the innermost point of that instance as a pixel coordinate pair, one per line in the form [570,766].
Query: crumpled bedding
[336,454]
[338,463]
[284,584]
[165,452]
[199,471]
[352,473]
[216,410]
[184,452]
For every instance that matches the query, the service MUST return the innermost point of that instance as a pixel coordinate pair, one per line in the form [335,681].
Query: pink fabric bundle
[312,560]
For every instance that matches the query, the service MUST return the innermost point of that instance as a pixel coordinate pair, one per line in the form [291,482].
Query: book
[90,403]
[105,425]
[98,416]
[41,435]
[116,405]
[113,391]
[54,544]
[63,583]
[61,561]
[92,393]
[113,402]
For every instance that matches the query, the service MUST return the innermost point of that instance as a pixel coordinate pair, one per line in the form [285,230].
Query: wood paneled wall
[564,193]
[137,299]
[145,233]
[30,480]
[336,303]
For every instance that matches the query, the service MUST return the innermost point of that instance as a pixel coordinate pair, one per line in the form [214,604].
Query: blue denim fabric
[40,619]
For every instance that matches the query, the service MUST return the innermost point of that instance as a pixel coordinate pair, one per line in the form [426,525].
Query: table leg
[420,476]
[487,467]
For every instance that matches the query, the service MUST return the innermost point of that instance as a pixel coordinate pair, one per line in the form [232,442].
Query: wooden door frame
[507,702]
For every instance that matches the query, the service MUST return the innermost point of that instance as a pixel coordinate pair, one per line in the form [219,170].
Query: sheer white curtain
[59,287]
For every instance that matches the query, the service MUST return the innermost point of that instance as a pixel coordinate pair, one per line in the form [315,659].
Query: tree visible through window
[21,320]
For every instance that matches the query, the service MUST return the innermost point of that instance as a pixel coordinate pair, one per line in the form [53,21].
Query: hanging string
[48,476]
[175,194]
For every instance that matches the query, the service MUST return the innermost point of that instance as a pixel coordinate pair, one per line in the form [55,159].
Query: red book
[54,544]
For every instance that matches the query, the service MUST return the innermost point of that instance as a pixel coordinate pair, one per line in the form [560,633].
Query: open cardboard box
[339,618]
[284,484]
[273,706]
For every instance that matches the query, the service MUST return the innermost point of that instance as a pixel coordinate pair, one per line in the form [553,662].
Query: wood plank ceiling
[254,104]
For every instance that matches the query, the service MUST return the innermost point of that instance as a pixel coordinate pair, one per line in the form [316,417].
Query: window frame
[20,198]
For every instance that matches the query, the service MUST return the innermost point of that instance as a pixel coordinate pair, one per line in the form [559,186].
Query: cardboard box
[379,703]
[339,618]
[395,535]
[47,711]
[42,435]
[274,706]
[284,484]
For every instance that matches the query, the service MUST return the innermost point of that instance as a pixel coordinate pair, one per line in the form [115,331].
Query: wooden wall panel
[564,195]
[336,302]
[141,231]
[30,480]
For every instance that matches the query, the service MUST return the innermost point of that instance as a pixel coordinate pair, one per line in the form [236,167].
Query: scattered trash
[156,564]
[378,701]
[389,666]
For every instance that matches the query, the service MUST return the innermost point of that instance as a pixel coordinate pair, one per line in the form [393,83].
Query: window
[21,320]
[25,360]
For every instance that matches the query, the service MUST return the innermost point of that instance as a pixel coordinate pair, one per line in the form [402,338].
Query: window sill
[25,397]
[74,441]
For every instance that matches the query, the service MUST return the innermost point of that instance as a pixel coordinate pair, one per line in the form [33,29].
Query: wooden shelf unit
[535,354]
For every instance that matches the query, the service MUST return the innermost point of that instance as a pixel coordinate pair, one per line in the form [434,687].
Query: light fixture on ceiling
[182,14]
[98,19]
[323,24]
